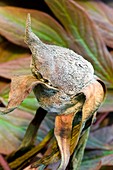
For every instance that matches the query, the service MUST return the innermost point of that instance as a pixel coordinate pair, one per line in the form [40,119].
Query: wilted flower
[64,83]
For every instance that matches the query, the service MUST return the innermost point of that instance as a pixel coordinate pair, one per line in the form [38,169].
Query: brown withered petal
[21,86]
[63,128]
[95,93]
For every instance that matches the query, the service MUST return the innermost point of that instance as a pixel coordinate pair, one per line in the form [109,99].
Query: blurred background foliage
[84,26]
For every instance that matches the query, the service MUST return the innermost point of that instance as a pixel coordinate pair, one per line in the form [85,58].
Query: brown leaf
[65,134]
[75,136]
[52,155]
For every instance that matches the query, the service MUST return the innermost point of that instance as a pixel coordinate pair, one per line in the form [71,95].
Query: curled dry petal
[95,93]
[21,86]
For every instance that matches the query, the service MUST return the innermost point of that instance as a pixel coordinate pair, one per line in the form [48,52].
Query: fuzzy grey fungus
[59,67]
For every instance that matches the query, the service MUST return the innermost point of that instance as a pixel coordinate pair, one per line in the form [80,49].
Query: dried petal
[21,86]
[95,93]
[63,128]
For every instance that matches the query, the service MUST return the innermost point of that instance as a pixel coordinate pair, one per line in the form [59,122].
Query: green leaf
[12,21]
[85,36]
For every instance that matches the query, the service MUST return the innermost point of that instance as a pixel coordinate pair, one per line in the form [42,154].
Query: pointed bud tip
[28,28]
[28,21]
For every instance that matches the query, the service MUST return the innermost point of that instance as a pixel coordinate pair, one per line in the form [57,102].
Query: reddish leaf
[101,138]
[100,152]
[15,67]
[101,14]
[12,21]
[14,60]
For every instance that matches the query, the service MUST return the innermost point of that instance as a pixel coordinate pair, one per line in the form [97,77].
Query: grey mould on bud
[60,67]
